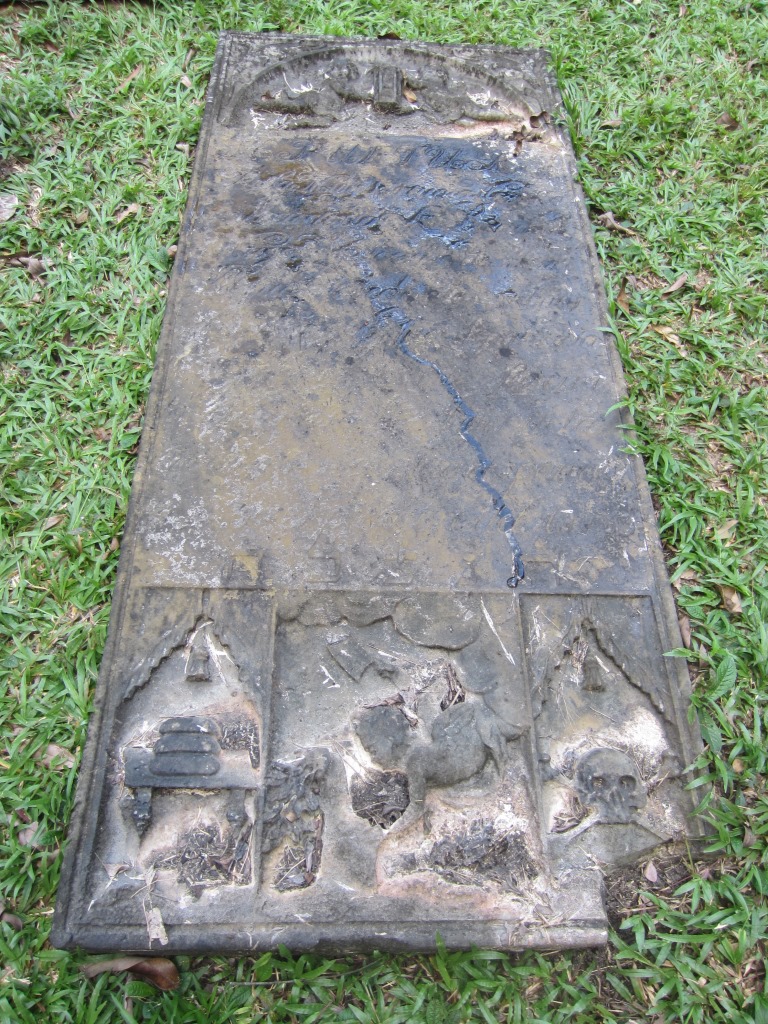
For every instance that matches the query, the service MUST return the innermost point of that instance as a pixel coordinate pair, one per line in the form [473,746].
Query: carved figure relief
[462,739]
[320,86]
[432,738]
[606,756]
[607,780]
[190,766]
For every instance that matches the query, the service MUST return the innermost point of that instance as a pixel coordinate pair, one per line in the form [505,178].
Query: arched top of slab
[352,80]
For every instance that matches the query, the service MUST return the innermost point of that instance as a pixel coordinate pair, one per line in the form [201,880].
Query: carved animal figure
[463,737]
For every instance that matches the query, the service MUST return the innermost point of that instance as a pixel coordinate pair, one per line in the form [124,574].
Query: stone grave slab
[386,655]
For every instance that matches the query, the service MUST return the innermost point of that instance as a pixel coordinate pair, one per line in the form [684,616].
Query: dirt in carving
[379,797]
[209,856]
[483,852]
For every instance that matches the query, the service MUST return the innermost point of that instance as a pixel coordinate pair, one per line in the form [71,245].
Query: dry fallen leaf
[158,970]
[186,81]
[650,872]
[8,205]
[57,757]
[622,298]
[103,433]
[172,250]
[129,211]
[666,332]
[726,531]
[687,576]
[52,521]
[127,81]
[609,221]
[81,218]
[13,921]
[614,122]
[410,95]
[738,765]
[685,629]
[35,267]
[728,121]
[731,600]
[676,285]
[29,836]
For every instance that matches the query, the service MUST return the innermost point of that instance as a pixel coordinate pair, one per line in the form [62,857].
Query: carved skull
[607,779]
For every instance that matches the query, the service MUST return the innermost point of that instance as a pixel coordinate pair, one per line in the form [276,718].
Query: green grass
[668,109]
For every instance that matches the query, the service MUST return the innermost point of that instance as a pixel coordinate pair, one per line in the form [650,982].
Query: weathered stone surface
[332,712]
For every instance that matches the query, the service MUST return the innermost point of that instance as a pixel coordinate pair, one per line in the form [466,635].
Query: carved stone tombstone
[386,656]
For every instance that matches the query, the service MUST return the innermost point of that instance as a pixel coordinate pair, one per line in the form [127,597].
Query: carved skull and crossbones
[608,779]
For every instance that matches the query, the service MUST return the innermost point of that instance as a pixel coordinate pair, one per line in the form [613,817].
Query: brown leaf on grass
[158,970]
[172,250]
[669,334]
[685,629]
[114,544]
[614,122]
[129,211]
[8,205]
[609,221]
[127,81]
[29,836]
[188,57]
[728,121]
[51,47]
[676,285]
[682,11]
[80,218]
[52,521]
[726,531]
[13,921]
[731,600]
[650,872]
[687,577]
[645,282]
[102,433]
[35,267]
[622,299]
[186,81]
[57,757]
